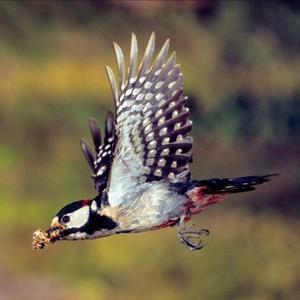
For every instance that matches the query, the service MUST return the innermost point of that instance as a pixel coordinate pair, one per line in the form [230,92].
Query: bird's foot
[191,236]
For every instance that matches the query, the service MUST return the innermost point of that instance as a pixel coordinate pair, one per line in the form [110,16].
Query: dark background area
[241,61]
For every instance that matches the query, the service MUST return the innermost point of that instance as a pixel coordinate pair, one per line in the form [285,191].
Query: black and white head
[81,220]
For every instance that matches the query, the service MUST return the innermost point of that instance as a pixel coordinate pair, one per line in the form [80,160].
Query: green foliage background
[241,62]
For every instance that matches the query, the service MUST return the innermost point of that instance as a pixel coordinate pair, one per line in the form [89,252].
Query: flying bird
[141,167]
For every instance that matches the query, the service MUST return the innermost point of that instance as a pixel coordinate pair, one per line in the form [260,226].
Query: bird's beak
[55,223]
[41,239]
[55,230]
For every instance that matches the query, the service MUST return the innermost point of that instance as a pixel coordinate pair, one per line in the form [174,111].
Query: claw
[188,234]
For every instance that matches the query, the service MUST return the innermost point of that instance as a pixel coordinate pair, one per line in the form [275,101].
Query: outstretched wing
[101,162]
[152,122]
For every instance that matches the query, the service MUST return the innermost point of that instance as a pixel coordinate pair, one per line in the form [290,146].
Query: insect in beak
[55,230]
[41,239]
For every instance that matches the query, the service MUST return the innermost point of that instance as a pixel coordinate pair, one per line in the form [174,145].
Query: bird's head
[78,220]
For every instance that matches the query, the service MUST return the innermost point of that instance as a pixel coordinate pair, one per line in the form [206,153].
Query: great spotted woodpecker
[141,168]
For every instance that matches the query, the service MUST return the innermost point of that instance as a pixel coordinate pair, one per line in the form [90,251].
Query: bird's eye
[65,219]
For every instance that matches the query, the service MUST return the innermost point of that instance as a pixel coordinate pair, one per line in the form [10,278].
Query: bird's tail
[203,193]
[232,185]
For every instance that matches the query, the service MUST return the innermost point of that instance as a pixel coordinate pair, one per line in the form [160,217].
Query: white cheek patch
[79,217]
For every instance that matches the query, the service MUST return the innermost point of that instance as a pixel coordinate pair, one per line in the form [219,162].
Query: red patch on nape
[85,202]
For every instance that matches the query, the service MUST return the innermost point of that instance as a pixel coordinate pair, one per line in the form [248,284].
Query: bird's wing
[152,122]
[101,162]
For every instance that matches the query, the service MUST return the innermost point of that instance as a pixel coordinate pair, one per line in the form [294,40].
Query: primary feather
[152,121]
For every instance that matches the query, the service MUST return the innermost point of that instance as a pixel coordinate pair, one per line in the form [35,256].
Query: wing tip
[109,125]
[113,83]
[87,153]
[133,36]
[152,35]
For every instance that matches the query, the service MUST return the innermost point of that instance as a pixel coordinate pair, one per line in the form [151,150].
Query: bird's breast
[153,207]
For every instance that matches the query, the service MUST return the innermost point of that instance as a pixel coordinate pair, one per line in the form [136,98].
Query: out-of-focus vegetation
[241,61]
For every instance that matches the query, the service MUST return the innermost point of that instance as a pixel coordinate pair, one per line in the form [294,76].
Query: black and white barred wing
[100,163]
[152,122]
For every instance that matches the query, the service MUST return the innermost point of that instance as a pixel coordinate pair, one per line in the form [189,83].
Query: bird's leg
[190,236]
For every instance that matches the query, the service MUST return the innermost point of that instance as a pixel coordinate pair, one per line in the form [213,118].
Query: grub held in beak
[55,230]
[41,239]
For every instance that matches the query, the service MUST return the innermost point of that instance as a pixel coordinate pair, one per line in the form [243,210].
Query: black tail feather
[233,185]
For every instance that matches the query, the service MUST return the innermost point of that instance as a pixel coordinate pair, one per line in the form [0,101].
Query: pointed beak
[55,230]
[55,223]
[41,239]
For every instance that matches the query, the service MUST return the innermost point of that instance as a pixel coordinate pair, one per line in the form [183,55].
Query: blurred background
[241,61]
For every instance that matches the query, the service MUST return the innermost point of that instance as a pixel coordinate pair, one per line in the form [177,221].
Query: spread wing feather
[152,121]
[101,162]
